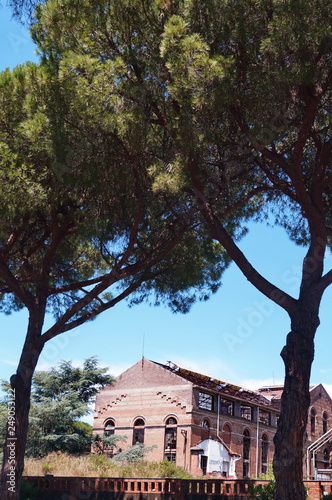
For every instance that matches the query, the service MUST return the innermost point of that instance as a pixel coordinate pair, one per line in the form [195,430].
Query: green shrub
[267,491]
[134,453]
[169,469]
[99,460]
[264,491]
[28,491]
[46,468]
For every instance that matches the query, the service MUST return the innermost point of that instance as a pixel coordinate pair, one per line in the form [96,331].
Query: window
[246,412]
[138,434]
[326,458]
[204,463]
[205,401]
[205,432]
[109,427]
[312,420]
[170,439]
[325,422]
[246,453]
[264,417]
[227,435]
[171,421]
[226,407]
[265,450]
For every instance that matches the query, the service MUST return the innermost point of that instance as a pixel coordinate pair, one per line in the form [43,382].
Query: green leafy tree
[54,427]
[238,93]
[60,397]
[3,426]
[80,226]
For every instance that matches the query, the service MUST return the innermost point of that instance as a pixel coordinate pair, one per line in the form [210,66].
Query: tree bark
[298,355]
[18,412]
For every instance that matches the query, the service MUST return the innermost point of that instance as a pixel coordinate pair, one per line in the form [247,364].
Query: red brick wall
[151,392]
[154,489]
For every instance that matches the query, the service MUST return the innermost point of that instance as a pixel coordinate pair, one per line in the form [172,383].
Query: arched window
[138,434]
[205,431]
[325,422]
[265,451]
[107,447]
[227,435]
[312,420]
[170,439]
[171,421]
[109,427]
[246,453]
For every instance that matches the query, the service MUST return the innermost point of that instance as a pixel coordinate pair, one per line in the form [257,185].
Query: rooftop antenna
[143,342]
[273,378]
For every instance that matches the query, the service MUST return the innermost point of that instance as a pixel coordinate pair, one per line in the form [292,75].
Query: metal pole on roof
[257,444]
[218,414]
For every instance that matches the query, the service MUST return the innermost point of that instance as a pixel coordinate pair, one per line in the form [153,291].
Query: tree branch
[219,233]
[24,295]
[324,282]
[74,286]
[54,331]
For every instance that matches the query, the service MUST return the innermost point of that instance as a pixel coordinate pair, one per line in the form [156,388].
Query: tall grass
[63,464]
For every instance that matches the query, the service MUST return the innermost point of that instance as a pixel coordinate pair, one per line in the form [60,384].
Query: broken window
[170,439]
[204,464]
[246,412]
[138,433]
[325,422]
[205,401]
[264,417]
[265,450]
[246,453]
[326,458]
[109,427]
[205,432]
[226,407]
[313,420]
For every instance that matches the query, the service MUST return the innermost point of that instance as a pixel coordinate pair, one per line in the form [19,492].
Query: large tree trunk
[18,413]
[298,355]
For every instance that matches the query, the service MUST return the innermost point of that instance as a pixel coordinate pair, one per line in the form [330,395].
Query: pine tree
[238,95]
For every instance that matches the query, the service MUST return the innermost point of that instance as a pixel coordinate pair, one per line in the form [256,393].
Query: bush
[168,469]
[28,491]
[267,491]
[264,491]
[134,453]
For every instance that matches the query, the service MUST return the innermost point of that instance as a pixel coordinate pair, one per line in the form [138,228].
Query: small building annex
[201,423]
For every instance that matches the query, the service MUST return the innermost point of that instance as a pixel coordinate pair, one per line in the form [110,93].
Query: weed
[62,464]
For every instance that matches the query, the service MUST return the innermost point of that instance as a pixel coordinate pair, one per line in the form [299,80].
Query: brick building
[319,424]
[203,424]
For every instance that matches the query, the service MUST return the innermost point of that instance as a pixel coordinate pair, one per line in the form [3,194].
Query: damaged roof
[222,387]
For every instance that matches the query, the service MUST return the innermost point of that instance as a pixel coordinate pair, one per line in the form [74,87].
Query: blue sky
[237,335]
